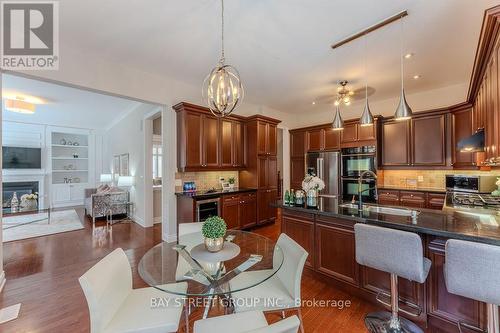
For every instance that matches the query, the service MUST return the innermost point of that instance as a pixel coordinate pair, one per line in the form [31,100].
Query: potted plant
[231,181]
[214,228]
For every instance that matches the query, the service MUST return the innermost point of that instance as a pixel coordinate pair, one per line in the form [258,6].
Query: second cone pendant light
[403,112]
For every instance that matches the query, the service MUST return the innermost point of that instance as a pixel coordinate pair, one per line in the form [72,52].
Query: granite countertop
[418,189]
[213,193]
[474,225]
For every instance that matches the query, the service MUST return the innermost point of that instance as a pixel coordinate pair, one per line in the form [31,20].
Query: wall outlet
[420,179]
[178,182]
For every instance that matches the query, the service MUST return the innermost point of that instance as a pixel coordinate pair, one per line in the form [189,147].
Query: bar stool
[399,253]
[472,270]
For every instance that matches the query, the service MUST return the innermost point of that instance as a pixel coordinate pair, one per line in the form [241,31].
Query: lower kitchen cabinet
[443,307]
[301,229]
[248,210]
[239,210]
[411,199]
[335,251]
[266,213]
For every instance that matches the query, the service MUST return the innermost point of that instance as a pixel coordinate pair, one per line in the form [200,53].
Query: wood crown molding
[198,108]
[489,34]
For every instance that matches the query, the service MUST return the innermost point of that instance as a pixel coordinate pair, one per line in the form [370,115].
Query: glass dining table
[207,274]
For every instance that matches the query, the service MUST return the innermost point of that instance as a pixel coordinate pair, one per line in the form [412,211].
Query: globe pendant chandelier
[222,88]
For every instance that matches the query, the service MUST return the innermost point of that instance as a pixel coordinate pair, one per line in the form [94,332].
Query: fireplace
[20,188]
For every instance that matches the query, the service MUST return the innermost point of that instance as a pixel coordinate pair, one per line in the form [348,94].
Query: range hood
[473,143]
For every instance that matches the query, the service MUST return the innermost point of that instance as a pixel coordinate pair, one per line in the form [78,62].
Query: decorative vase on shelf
[312,198]
[14,202]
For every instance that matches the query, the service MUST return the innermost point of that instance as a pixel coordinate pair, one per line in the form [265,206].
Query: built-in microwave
[471,183]
[357,160]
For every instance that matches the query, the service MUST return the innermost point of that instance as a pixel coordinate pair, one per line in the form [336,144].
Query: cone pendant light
[338,123]
[367,117]
[403,112]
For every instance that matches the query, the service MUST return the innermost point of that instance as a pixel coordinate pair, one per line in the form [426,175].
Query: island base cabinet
[445,309]
[335,253]
[301,229]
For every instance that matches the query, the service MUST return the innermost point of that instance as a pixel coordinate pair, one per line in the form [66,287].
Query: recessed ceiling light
[313,103]
[409,55]
[416,77]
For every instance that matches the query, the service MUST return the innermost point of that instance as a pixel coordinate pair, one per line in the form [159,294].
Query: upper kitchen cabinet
[428,140]
[232,149]
[419,142]
[355,135]
[461,129]
[332,139]
[395,144]
[206,142]
[315,139]
[266,138]
[210,142]
[297,143]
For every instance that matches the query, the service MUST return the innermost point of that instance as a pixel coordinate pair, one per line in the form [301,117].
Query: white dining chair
[115,307]
[189,228]
[279,293]
[246,322]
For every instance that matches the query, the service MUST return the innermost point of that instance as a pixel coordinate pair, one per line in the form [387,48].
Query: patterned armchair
[98,204]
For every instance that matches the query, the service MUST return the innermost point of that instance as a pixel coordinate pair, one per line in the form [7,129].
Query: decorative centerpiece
[312,185]
[214,230]
[29,201]
[231,181]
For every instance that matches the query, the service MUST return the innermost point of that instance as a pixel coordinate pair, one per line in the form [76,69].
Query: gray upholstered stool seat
[399,253]
[473,270]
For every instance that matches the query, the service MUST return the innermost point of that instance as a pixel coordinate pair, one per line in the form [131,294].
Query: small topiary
[214,227]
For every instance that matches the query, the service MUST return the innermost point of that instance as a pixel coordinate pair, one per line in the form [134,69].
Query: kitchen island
[327,233]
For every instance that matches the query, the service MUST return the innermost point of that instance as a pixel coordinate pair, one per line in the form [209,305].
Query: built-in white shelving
[70,161]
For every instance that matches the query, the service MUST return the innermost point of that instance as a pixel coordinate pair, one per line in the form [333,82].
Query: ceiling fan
[345,95]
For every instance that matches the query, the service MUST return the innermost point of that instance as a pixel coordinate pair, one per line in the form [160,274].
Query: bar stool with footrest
[472,270]
[399,253]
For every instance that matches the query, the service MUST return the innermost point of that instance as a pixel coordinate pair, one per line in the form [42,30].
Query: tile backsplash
[432,179]
[205,180]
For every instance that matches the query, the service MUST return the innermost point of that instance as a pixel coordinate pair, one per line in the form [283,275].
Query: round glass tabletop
[246,260]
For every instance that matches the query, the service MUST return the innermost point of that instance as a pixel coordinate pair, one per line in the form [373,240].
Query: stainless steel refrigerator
[326,166]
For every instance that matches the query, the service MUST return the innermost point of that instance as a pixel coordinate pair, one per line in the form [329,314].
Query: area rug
[18,227]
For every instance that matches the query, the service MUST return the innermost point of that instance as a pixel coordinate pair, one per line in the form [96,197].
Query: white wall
[127,137]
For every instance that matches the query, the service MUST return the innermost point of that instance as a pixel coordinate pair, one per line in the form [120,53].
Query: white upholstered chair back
[106,285]
[294,260]
[188,228]
[288,325]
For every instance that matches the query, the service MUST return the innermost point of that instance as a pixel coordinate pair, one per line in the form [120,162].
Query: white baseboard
[2,280]
[157,220]
[139,221]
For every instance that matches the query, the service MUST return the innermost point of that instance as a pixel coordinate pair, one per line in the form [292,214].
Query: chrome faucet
[360,188]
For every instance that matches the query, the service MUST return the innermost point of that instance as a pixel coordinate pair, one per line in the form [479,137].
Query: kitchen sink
[392,211]
[383,210]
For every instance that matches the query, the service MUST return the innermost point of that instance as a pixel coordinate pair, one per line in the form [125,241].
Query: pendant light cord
[222,58]
[366,72]
[401,54]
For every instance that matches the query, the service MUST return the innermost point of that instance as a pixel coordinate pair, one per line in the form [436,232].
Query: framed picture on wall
[116,166]
[124,165]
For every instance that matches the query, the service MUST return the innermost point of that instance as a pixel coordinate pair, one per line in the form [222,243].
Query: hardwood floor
[42,274]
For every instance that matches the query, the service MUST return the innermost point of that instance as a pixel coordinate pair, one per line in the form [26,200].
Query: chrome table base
[382,322]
